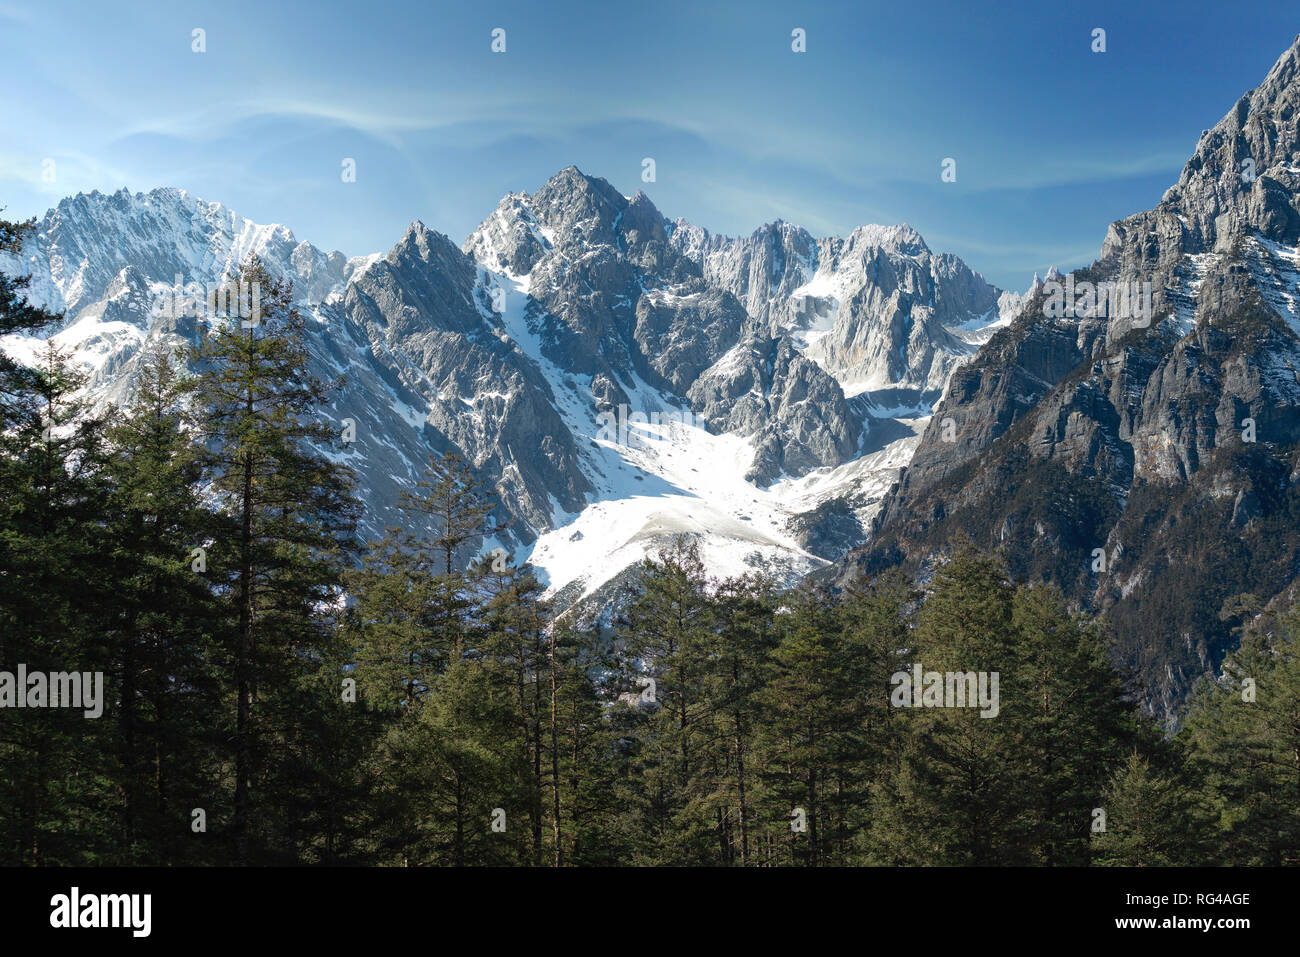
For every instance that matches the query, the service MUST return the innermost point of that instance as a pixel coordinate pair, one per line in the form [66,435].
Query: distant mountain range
[616,378]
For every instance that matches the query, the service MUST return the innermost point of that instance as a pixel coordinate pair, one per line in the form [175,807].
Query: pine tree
[586,752]
[400,646]
[515,645]
[454,766]
[18,383]
[669,626]
[804,717]
[329,791]
[292,519]
[449,512]
[52,586]
[1242,739]
[165,618]
[875,622]
[951,797]
[457,654]
[1073,724]
[1149,818]
[415,605]
[744,638]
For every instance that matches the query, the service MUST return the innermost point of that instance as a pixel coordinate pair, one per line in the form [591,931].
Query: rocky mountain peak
[425,244]
[644,217]
[901,239]
[511,239]
[1244,177]
[566,307]
[578,208]
[164,233]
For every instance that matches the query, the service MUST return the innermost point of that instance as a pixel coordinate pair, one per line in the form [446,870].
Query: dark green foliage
[162,636]
[289,516]
[19,384]
[1150,819]
[1242,739]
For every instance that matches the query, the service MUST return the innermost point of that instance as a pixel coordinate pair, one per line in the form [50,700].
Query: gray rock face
[893,331]
[682,330]
[873,308]
[86,241]
[422,368]
[423,283]
[1241,179]
[766,388]
[762,271]
[510,240]
[830,529]
[1167,438]
[1011,374]
[424,303]
[608,293]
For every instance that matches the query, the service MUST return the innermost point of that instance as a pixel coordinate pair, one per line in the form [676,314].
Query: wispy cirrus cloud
[1051,141]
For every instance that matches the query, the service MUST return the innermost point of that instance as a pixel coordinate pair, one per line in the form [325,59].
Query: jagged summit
[423,241]
[1242,178]
[902,237]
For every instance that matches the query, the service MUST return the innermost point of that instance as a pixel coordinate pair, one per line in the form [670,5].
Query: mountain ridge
[566,308]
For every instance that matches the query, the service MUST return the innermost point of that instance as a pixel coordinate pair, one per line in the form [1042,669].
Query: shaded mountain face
[611,375]
[1143,453]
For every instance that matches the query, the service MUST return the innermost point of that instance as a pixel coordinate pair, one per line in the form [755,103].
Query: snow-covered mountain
[877,310]
[616,377]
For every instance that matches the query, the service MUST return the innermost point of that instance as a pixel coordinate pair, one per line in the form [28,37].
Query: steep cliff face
[764,387]
[425,304]
[875,310]
[1141,451]
[613,303]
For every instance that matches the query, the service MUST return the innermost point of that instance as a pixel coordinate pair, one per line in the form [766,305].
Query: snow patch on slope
[1277,272]
[669,477]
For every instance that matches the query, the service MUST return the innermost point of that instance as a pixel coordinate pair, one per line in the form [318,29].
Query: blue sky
[1052,141]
